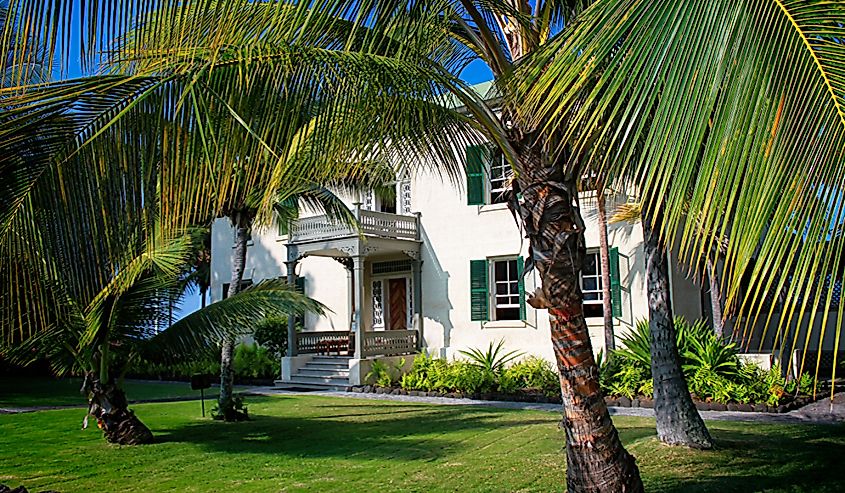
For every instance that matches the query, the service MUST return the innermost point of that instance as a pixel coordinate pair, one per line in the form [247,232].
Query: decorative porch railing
[389,343]
[373,223]
[326,342]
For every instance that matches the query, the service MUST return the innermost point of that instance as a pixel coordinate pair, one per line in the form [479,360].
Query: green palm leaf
[727,112]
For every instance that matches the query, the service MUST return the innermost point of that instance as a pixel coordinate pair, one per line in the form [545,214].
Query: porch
[383,282]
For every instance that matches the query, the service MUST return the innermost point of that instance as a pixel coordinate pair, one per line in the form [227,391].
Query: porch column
[291,266]
[418,318]
[358,279]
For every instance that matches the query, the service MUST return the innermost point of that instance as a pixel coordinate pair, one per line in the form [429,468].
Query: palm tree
[739,107]
[181,122]
[500,34]
[677,420]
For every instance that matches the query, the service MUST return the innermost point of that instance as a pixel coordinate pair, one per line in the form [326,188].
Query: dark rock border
[619,401]
[534,397]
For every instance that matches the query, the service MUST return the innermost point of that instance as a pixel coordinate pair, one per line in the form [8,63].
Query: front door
[397,291]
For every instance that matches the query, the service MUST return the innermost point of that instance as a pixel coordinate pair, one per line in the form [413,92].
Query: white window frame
[492,284]
[499,174]
[598,291]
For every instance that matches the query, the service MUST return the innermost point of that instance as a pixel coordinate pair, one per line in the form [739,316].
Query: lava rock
[733,406]
[718,406]
[624,401]
[648,403]
[357,390]
[702,406]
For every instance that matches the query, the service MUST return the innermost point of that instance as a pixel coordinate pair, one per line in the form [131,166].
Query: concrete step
[328,364]
[318,382]
[319,379]
[308,386]
[323,372]
[320,357]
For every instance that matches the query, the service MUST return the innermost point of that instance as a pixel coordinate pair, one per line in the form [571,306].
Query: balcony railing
[326,342]
[373,223]
[389,343]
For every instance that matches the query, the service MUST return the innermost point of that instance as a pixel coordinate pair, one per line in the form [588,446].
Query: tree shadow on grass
[758,458]
[413,433]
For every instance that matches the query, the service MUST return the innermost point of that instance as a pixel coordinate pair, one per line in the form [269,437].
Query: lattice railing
[326,342]
[389,343]
[372,223]
[389,225]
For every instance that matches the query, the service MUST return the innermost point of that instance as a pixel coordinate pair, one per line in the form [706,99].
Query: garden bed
[620,401]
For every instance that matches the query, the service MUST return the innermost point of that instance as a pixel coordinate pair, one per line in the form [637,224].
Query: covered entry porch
[383,284]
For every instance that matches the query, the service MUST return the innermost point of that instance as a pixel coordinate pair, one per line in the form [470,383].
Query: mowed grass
[39,391]
[312,443]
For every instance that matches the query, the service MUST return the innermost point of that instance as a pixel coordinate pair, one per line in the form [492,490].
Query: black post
[202,399]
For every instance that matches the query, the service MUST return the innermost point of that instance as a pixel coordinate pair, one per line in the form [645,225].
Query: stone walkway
[820,412]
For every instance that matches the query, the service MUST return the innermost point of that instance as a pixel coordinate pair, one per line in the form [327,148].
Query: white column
[358,279]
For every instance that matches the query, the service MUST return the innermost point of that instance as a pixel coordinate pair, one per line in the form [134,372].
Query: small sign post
[201,382]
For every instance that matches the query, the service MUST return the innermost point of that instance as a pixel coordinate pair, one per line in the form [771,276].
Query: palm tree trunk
[203,293]
[678,421]
[107,404]
[596,459]
[715,299]
[604,258]
[227,370]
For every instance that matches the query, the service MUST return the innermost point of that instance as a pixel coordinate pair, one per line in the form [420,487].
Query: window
[500,175]
[591,286]
[497,291]
[506,292]
[488,176]
[245,283]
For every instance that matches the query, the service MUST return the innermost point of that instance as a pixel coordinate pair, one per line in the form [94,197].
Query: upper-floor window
[591,286]
[488,176]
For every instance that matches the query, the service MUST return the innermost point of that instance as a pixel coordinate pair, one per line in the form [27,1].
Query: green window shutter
[283,227]
[299,284]
[478,287]
[520,268]
[615,286]
[475,164]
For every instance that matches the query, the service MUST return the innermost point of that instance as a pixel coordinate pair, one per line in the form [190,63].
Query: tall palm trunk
[107,404]
[715,299]
[242,223]
[604,258]
[596,459]
[678,421]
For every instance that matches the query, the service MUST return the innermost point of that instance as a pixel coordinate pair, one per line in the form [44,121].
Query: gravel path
[820,412]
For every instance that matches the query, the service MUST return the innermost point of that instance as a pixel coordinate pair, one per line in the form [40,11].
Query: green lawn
[310,443]
[31,392]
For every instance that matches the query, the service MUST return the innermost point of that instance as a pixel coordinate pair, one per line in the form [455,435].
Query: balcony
[375,224]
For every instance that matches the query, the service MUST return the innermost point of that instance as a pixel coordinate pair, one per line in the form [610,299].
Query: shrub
[254,361]
[492,360]
[384,375]
[531,373]
[272,333]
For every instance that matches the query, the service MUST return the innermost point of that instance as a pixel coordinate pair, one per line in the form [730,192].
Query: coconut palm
[500,34]
[120,324]
[739,107]
[270,99]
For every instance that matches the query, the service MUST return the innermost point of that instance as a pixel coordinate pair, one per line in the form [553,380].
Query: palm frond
[201,331]
[727,112]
